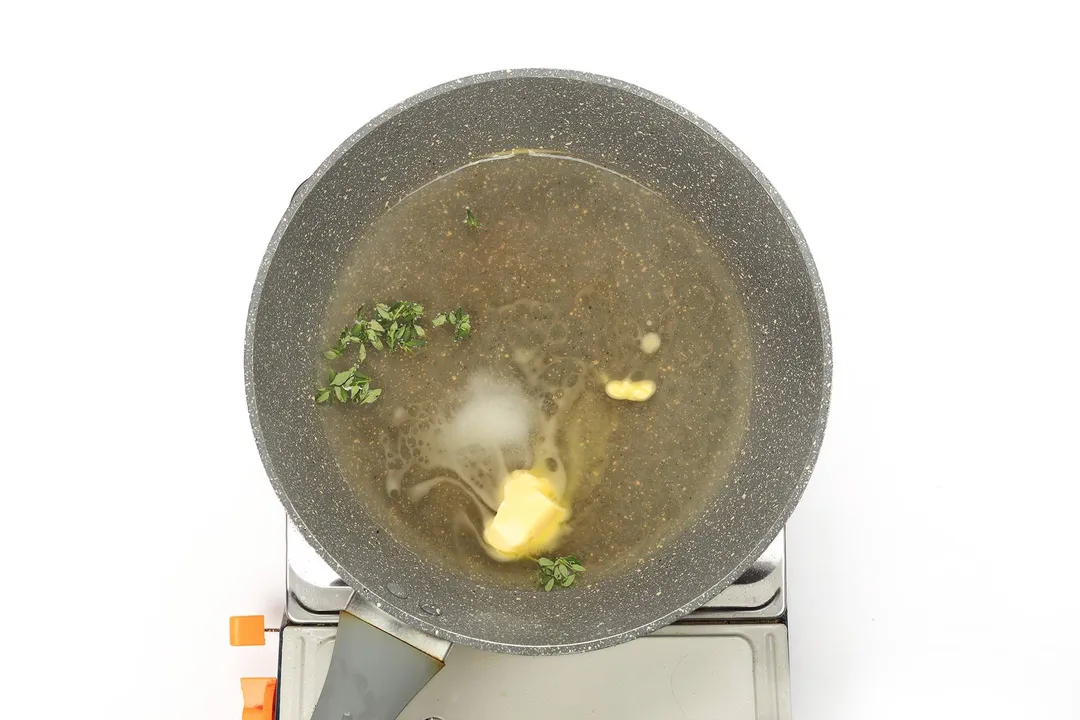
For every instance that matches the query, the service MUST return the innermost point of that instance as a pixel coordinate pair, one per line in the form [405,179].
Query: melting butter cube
[528,519]
[639,391]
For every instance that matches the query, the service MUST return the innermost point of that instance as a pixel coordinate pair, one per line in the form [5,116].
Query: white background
[928,150]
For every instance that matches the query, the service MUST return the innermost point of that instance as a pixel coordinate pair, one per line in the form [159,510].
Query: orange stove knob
[247,630]
[259,696]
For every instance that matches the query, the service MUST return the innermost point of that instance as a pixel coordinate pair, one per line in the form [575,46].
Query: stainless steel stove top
[728,659]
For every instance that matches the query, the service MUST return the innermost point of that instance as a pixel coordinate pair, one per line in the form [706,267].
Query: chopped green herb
[393,327]
[390,327]
[404,331]
[470,218]
[347,386]
[459,319]
[563,570]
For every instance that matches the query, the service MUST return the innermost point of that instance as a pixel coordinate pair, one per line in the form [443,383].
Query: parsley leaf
[459,319]
[470,218]
[390,327]
[347,386]
[560,571]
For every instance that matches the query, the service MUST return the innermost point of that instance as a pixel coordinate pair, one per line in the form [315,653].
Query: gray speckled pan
[635,133]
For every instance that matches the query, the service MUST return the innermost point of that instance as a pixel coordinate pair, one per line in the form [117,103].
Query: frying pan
[397,594]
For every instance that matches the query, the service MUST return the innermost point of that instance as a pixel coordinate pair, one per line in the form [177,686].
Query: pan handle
[378,665]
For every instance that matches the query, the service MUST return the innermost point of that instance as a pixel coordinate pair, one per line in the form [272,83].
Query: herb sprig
[348,386]
[471,220]
[402,323]
[389,328]
[561,571]
[393,326]
[459,319]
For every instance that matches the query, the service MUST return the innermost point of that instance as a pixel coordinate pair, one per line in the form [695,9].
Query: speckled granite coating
[628,130]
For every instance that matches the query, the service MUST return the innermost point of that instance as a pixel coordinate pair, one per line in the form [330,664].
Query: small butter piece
[528,518]
[650,343]
[639,391]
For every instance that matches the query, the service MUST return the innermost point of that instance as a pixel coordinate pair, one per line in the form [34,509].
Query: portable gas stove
[728,659]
